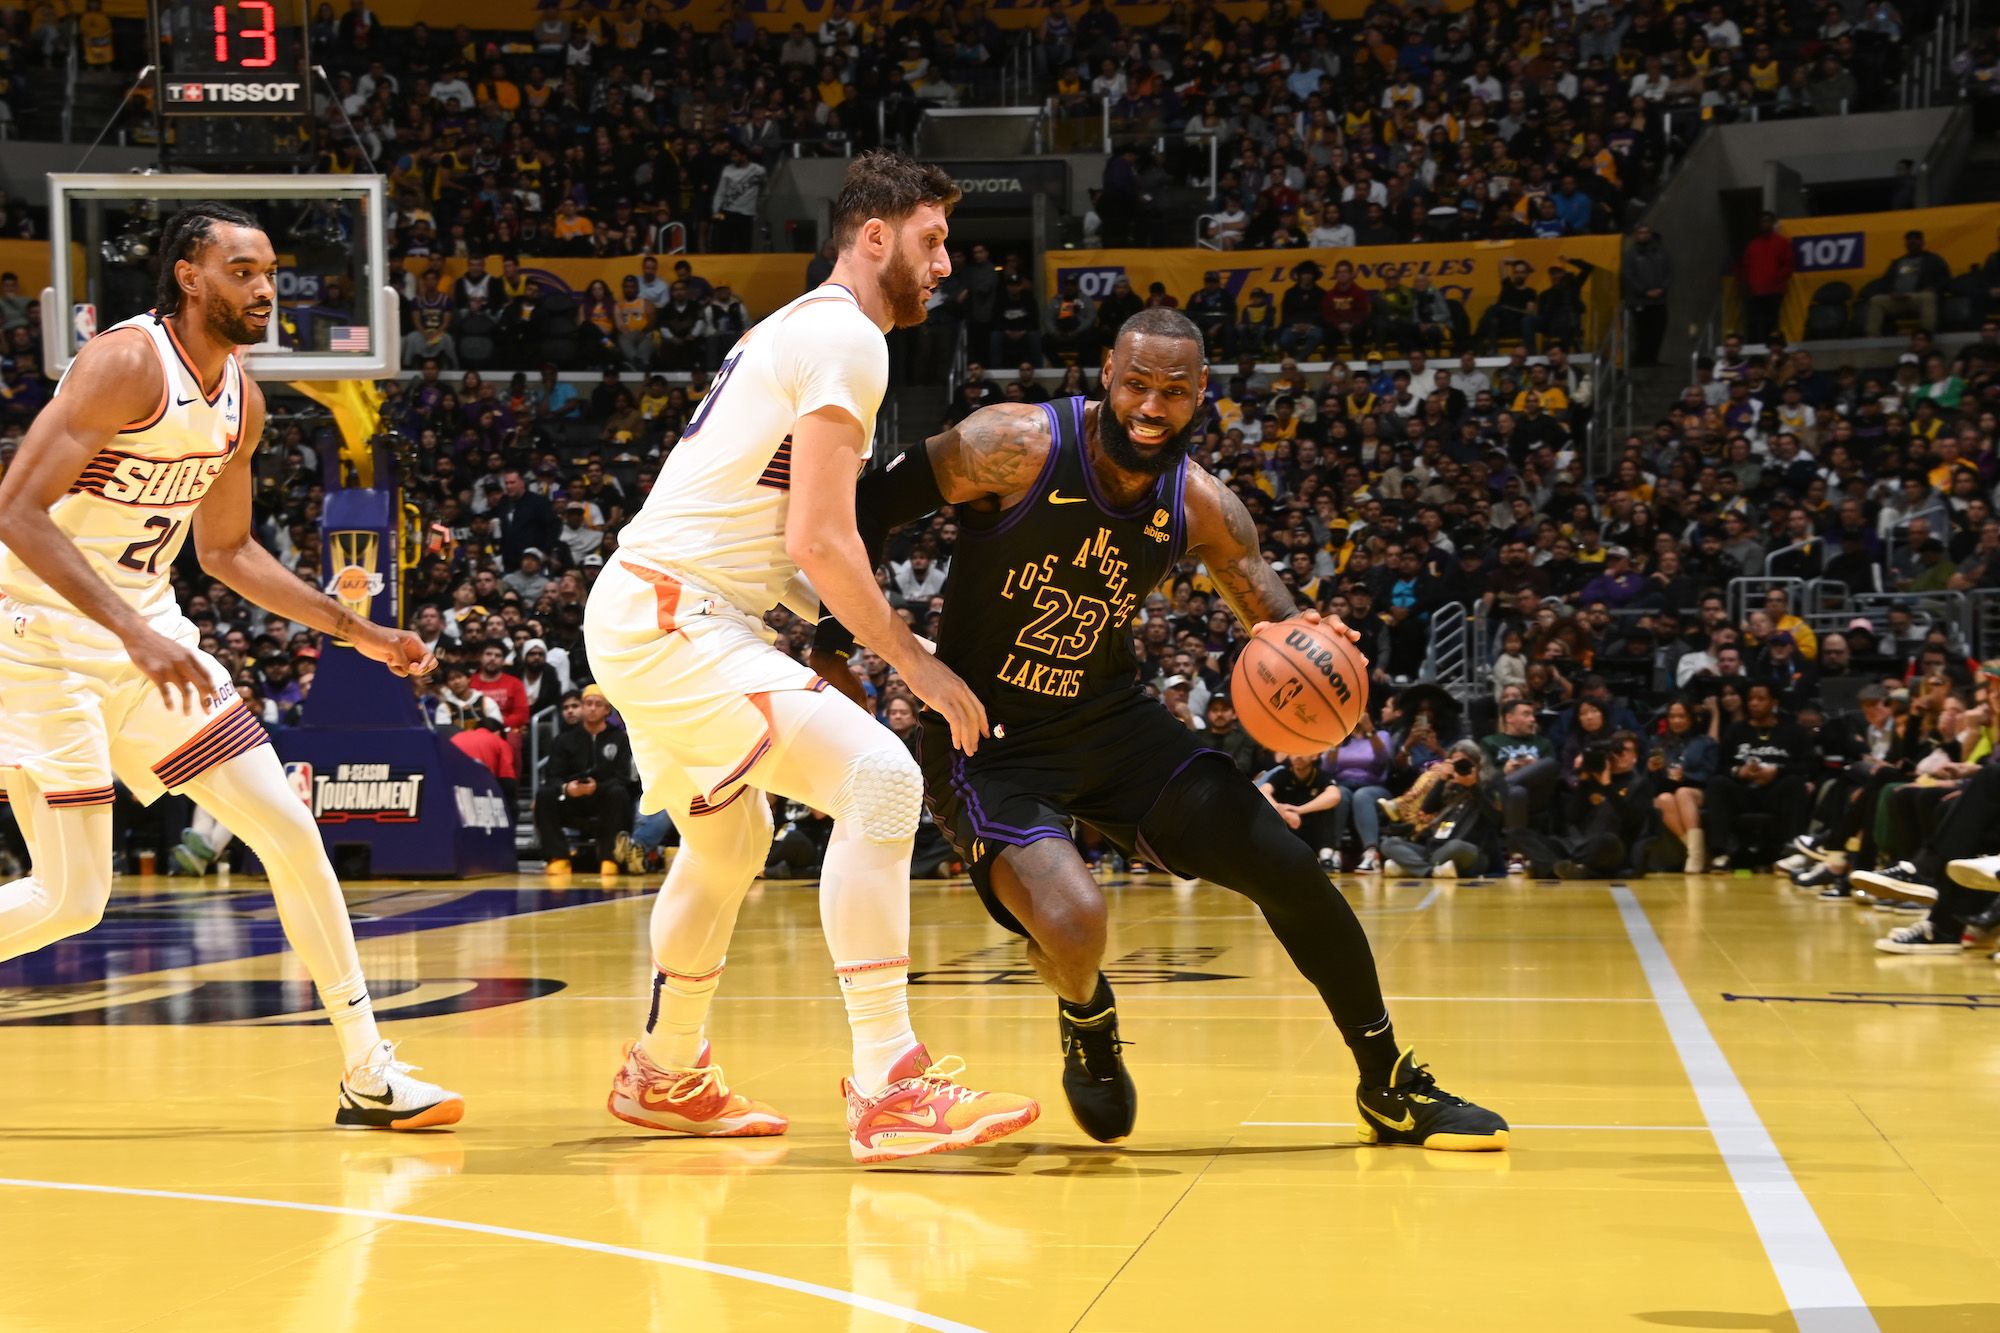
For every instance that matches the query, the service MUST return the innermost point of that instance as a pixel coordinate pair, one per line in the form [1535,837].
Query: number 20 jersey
[716,514]
[1040,598]
[130,510]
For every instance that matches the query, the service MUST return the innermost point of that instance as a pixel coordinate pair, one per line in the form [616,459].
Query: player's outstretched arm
[821,538]
[224,542]
[115,382]
[996,453]
[1223,536]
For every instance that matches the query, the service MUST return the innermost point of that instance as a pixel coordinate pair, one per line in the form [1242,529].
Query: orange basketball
[1299,687]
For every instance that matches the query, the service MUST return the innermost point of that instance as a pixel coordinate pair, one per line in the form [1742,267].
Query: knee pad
[883,795]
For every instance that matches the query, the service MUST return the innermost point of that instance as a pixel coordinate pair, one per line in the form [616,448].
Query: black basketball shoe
[1099,1087]
[1413,1109]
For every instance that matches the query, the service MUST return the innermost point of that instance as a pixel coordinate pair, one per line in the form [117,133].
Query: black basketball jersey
[1040,596]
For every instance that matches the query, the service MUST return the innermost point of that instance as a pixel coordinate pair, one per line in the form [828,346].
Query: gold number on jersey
[1068,626]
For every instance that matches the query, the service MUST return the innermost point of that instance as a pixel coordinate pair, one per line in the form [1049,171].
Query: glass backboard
[337,302]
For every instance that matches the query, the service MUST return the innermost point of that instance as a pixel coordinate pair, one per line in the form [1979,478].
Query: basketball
[1299,687]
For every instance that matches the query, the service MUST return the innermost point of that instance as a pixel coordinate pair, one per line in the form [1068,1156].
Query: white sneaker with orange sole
[693,1100]
[924,1109]
[381,1095]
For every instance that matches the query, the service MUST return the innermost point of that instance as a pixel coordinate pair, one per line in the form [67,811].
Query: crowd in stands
[1640,715]
[1411,124]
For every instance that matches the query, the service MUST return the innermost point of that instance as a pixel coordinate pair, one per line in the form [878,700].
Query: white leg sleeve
[835,758]
[250,795]
[66,891]
[694,916]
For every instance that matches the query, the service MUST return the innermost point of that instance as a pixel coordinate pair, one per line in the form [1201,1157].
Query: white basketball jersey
[716,515]
[130,510]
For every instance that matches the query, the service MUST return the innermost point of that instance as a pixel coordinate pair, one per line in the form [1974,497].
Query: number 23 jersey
[130,509]
[716,514]
[1040,598]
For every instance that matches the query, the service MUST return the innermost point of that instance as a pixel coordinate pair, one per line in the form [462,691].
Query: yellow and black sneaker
[1099,1087]
[1413,1109]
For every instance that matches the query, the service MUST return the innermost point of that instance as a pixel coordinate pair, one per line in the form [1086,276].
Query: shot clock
[222,61]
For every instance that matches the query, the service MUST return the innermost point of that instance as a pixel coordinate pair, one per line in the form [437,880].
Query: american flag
[349,338]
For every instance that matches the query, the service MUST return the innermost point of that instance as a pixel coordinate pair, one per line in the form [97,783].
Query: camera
[1597,759]
[1463,765]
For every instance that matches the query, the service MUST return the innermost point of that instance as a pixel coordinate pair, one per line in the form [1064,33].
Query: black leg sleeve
[1212,823]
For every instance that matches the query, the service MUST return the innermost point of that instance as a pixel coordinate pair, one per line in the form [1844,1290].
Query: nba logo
[83,323]
[300,775]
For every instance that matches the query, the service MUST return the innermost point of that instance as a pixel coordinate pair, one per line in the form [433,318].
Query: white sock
[677,1023]
[353,1016]
[877,996]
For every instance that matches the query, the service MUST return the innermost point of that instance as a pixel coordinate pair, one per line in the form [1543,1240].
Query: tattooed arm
[1223,536]
[992,456]
[995,453]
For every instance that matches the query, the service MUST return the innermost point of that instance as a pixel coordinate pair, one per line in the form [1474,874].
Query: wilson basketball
[1299,687]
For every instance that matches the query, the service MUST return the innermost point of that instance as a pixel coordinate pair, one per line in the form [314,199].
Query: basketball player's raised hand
[1334,623]
[940,687]
[175,668]
[399,650]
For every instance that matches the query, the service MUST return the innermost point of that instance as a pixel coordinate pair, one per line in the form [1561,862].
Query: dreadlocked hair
[186,234]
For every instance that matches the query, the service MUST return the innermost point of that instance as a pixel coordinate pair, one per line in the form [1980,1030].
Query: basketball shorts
[1103,764]
[75,712]
[685,670]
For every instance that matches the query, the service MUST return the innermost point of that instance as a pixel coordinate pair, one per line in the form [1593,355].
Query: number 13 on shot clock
[233,57]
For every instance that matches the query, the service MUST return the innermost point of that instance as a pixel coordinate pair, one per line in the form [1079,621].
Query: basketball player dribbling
[755,506]
[1069,514]
[144,443]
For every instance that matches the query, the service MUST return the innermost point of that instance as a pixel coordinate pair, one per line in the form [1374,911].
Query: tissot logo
[207,92]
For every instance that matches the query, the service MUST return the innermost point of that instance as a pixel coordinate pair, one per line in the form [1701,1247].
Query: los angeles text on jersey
[151,482]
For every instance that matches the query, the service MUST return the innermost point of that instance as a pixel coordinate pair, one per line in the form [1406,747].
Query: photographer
[1606,816]
[1457,822]
[1765,760]
[1304,797]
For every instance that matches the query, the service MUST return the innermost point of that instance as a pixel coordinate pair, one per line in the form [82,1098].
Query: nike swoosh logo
[353,1002]
[1408,1122]
[1058,498]
[182,402]
[926,1119]
[382,1100]
[1376,1033]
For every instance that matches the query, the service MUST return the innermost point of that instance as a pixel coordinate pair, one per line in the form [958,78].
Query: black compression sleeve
[889,497]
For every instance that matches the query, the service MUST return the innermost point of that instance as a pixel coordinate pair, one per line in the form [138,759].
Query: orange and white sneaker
[925,1110]
[693,1101]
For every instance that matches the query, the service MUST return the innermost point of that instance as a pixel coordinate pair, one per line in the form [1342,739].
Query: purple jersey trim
[1020,511]
[1150,501]
[991,829]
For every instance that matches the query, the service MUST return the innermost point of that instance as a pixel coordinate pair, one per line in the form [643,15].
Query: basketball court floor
[1729,1112]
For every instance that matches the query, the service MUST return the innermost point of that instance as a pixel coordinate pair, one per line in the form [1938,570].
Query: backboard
[337,302]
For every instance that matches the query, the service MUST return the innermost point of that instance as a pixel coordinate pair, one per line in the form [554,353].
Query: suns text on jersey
[153,481]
